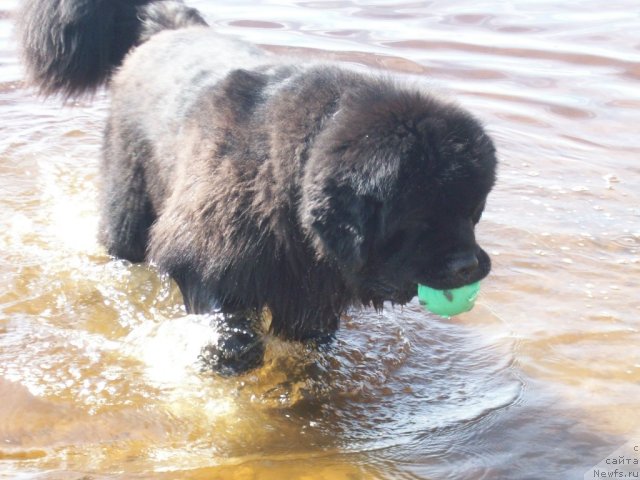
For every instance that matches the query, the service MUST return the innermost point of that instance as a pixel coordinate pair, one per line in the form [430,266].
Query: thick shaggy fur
[258,183]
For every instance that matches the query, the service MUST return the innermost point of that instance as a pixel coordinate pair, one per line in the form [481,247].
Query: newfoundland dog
[262,182]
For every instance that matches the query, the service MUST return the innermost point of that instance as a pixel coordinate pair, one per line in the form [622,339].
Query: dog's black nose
[464,265]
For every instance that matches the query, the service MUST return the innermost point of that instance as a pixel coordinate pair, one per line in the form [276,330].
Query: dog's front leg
[239,345]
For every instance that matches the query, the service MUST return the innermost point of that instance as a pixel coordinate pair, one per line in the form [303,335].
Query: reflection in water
[99,375]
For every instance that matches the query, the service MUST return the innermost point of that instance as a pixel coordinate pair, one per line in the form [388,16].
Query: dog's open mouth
[404,296]
[445,283]
[399,296]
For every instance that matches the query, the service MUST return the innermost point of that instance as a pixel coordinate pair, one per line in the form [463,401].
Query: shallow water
[540,380]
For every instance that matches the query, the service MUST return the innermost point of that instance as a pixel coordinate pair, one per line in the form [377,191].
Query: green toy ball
[447,303]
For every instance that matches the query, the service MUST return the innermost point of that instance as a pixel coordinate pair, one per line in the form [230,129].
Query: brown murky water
[540,381]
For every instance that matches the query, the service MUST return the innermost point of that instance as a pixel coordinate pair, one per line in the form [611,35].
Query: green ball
[447,303]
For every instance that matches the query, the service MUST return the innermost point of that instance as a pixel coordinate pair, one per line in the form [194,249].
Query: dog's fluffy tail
[72,46]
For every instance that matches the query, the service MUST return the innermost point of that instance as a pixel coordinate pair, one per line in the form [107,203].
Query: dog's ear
[339,222]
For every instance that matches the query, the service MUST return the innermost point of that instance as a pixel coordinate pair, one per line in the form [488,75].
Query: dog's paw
[238,349]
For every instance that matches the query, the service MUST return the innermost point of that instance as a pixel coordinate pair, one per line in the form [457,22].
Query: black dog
[259,183]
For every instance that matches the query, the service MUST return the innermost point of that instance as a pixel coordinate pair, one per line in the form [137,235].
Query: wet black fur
[262,183]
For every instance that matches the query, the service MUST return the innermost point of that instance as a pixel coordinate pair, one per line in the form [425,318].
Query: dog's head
[392,191]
